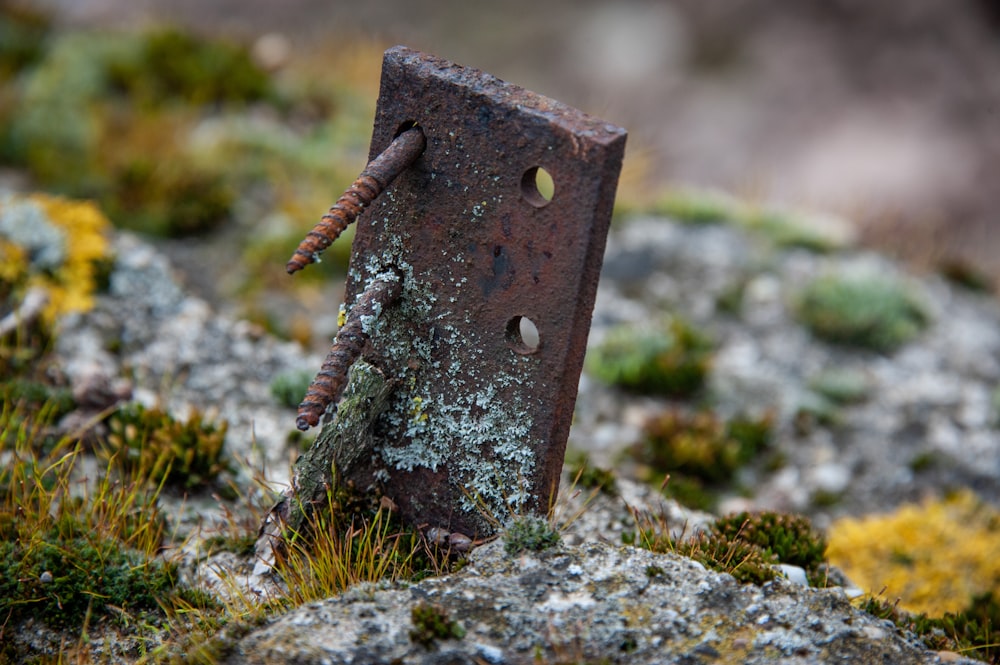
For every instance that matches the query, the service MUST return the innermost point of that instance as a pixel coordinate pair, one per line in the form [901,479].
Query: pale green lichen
[447,413]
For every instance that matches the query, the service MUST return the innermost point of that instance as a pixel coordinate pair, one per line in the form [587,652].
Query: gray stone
[592,603]
[181,355]
[936,392]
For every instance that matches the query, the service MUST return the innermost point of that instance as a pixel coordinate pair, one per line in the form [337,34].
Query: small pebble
[460,542]
[45,577]
[436,536]
[795,574]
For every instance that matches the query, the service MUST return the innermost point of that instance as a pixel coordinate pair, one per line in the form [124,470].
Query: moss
[693,456]
[591,477]
[431,622]
[784,228]
[529,533]
[186,455]
[935,556]
[23,32]
[174,66]
[37,395]
[75,135]
[353,537]
[79,557]
[168,195]
[744,545]
[63,580]
[843,386]
[790,539]
[787,229]
[925,461]
[966,275]
[671,359]
[701,445]
[696,207]
[869,312]
[55,127]
[716,551]
[971,631]
[241,544]
[288,388]
[730,300]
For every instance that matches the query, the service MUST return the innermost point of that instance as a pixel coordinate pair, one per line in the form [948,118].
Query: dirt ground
[888,112]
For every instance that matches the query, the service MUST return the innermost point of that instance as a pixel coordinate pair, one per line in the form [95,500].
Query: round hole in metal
[537,186]
[522,335]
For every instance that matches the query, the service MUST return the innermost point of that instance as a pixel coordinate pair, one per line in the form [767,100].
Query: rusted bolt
[378,175]
[329,383]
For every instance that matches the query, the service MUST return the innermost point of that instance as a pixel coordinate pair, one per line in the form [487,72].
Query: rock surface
[181,355]
[924,418]
[594,603]
[933,399]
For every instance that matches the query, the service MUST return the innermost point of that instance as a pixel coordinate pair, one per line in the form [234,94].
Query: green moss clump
[701,445]
[77,556]
[591,477]
[530,533]
[697,207]
[175,66]
[431,622]
[86,121]
[716,551]
[168,196]
[971,631]
[288,388]
[61,580]
[186,455]
[786,229]
[842,386]
[693,455]
[869,312]
[37,394]
[966,275]
[672,359]
[23,32]
[746,546]
[790,539]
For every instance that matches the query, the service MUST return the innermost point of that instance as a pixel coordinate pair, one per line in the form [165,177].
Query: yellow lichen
[70,286]
[13,261]
[934,556]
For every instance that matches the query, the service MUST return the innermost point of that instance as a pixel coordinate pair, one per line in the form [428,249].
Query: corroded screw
[329,383]
[379,174]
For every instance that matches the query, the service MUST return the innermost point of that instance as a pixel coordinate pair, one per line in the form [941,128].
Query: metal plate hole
[522,335]
[537,186]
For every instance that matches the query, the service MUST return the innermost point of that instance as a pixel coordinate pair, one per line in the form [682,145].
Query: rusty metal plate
[478,424]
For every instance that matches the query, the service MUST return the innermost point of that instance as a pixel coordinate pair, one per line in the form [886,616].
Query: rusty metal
[476,428]
[329,383]
[379,174]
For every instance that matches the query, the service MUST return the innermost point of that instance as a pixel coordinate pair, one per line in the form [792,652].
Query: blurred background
[227,128]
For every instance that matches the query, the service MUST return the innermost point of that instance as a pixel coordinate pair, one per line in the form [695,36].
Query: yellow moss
[70,286]
[934,556]
[13,262]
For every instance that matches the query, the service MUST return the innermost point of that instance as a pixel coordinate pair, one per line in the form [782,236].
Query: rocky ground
[932,400]
[895,124]
[594,603]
